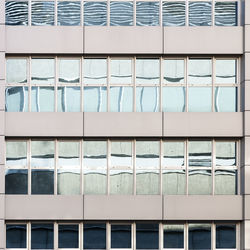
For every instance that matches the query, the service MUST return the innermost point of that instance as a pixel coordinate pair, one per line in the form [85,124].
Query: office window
[173,14]
[42,236]
[16,99]
[16,13]
[226,13]
[68,236]
[95,13]
[200,13]
[121,71]
[16,70]
[173,236]
[121,236]
[147,236]
[94,236]
[121,13]
[199,236]
[226,236]
[147,13]
[69,69]
[16,236]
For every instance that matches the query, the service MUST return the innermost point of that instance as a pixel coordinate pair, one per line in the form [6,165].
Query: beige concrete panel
[2,207]
[246,172]
[2,63]
[202,207]
[246,226]
[2,116]
[2,179]
[247,65]
[2,95]
[203,40]
[203,124]
[2,36]
[122,124]
[247,123]
[2,234]
[46,39]
[2,12]
[246,149]
[2,150]
[122,207]
[247,207]
[247,38]
[43,124]
[123,40]
[43,207]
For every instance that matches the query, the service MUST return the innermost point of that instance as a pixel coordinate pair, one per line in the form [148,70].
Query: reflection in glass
[121,13]
[173,236]
[200,13]
[16,99]
[199,182]
[173,70]
[226,71]
[42,181]
[68,236]
[173,154]
[42,13]
[16,70]
[16,13]
[226,153]
[200,153]
[226,13]
[226,236]
[16,181]
[147,13]
[121,69]
[42,99]
[69,69]
[94,236]
[200,99]
[121,181]
[68,99]
[95,99]
[69,13]
[120,236]
[147,99]
[147,236]
[121,99]
[68,153]
[173,99]
[42,236]
[147,181]
[42,71]
[199,236]
[121,153]
[173,14]
[95,13]
[95,181]
[16,236]
[68,181]
[173,182]
[16,153]
[225,99]
[225,181]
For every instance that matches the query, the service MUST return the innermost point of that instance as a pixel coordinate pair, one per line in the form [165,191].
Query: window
[173,236]
[121,236]
[226,13]
[173,14]
[16,13]
[94,236]
[226,236]
[121,13]
[95,13]
[68,236]
[200,13]
[147,236]
[42,236]
[147,13]
[16,236]
[199,236]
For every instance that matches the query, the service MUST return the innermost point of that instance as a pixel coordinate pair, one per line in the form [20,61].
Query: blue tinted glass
[199,236]
[16,99]
[42,236]
[225,236]
[16,13]
[121,13]
[147,99]
[147,236]
[147,13]
[95,99]
[68,13]
[173,14]
[200,13]
[173,236]
[42,181]
[94,236]
[121,99]
[95,13]
[68,236]
[226,13]
[15,236]
[120,236]
[42,99]
[225,99]
[16,181]
[16,70]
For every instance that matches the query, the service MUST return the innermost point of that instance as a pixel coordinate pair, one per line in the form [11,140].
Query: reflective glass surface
[42,236]
[226,71]
[173,182]
[16,181]
[94,236]
[16,70]
[121,69]
[147,182]
[173,154]
[121,181]
[173,70]
[95,181]
[226,13]
[95,99]
[173,236]
[225,99]
[68,153]
[42,181]
[68,236]
[147,236]
[16,13]
[121,153]
[120,236]
[16,236]
[69,70]
[68,99]
[16,153]
[95,13]
[147,13]
[225,153]
[200,13]
[173,14]
[226,236]
[121,99]
[16,99]
[121,13]
[199,236]
[225,181]
[147,99]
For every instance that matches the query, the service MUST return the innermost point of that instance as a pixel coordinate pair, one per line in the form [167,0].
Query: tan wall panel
[247,123]
[122,124]
[2,36]
[247,207]
[2,116]
[202,207]
[203,40]
[43,207]
[245,235]
[2,12]
[47,39]
[203,124]
[246,70]
[123,40]
[2,178]
[2,233]
[2,96]
[43,124]
[2,150]
[2,206]
[124,207]
[247,38]
[2,63]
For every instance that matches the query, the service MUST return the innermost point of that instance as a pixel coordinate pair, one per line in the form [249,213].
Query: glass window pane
[225,153]
[200,71]
[147,181]
[16,70]
[147,236]
[173,154]
[16,236]
[121,153]
[95,71]
[173,236]
[42,236]
[199,182]
[16,181]
[121,13]
[120,236]
[147,71]
[42,13]
[226,236]
[95,181]
[68,99]
[42,99]
[147,99]
[69,13]
[173,14]
[173,182]
[173,71]
[95,13]
[69,69]
[16,99]
[225,99]
[42,153]
[16,13]
[226,13]
[121,99]
[225,181]
[94,236]
[173,99]
[200,14]
[121,69]
[199,236]
[42,181]
[16,153]
[200,99]
[68,236]
[147,13]
[68,153]
[226,71]
[95,99]
[200,153]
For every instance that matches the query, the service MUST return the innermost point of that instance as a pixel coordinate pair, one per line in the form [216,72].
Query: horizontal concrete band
[113,124]
[99,207]
[123,40]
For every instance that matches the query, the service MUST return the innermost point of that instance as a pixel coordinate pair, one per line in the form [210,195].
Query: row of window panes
[165,84]
[101,235]
[121,13]
[121,167]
